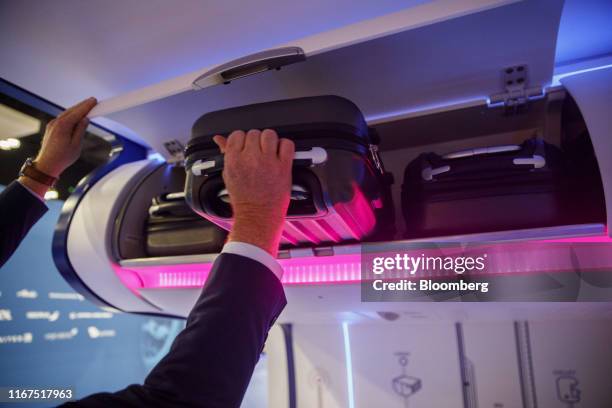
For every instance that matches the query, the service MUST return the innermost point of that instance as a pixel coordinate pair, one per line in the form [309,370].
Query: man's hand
[61,144]
[257,175]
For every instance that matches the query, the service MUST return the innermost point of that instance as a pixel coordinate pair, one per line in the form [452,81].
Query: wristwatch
[29,170]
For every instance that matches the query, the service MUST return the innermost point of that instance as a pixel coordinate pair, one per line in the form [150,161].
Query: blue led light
[557,78]
[156,156]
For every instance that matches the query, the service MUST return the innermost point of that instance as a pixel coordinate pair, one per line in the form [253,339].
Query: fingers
[235,141]
[71,116]
[269,142]
[221,142]
[252,142]
[79,131]
[85,104]
[50,125]
[286,150]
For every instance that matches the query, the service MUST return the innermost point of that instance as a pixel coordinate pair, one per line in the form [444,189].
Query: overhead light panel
[10,144]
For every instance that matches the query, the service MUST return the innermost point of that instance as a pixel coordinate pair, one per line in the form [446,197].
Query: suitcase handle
[480,151]
[303,158]
[165,207]
[428,172]
[298,193]
[167,203]
[178,196]
[536,158]
[537,161]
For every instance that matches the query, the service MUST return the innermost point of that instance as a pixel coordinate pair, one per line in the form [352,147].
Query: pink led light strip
[339,269]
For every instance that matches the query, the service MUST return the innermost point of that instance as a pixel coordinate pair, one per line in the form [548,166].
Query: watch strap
[29,170]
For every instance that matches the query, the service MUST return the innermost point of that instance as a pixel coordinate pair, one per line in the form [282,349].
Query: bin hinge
[176,150]
[517,92]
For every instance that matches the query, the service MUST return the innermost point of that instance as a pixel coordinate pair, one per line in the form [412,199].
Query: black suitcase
[340,190]
[174,229]
[485,189]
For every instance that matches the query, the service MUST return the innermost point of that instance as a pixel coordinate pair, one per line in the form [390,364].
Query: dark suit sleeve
[211,361]
[19,210]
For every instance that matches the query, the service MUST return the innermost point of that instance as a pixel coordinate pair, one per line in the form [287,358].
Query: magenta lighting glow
[339,269]
[504,258]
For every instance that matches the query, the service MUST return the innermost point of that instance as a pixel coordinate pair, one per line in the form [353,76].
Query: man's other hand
[257,175]
[61,144]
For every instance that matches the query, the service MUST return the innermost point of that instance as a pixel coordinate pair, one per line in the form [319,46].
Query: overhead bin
[470,77]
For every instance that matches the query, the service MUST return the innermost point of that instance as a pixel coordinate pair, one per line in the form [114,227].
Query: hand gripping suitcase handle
[303,158]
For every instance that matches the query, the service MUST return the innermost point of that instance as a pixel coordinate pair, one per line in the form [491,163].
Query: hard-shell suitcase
[485,189]
[172,228]
[340,190]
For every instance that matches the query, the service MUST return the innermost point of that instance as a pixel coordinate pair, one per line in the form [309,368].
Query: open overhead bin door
[434,54]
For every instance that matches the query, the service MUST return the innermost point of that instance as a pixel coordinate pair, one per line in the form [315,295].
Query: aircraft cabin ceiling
[67,50]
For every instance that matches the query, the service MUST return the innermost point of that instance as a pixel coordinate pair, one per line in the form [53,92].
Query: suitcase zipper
[376,158]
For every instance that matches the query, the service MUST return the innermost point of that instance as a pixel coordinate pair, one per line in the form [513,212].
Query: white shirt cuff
[255,253]
[31,192]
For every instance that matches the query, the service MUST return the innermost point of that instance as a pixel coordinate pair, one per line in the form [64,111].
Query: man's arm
[211,361]
[22,202]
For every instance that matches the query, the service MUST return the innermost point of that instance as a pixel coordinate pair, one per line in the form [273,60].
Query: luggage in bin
[174,229]
[340,190]
[485,189]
